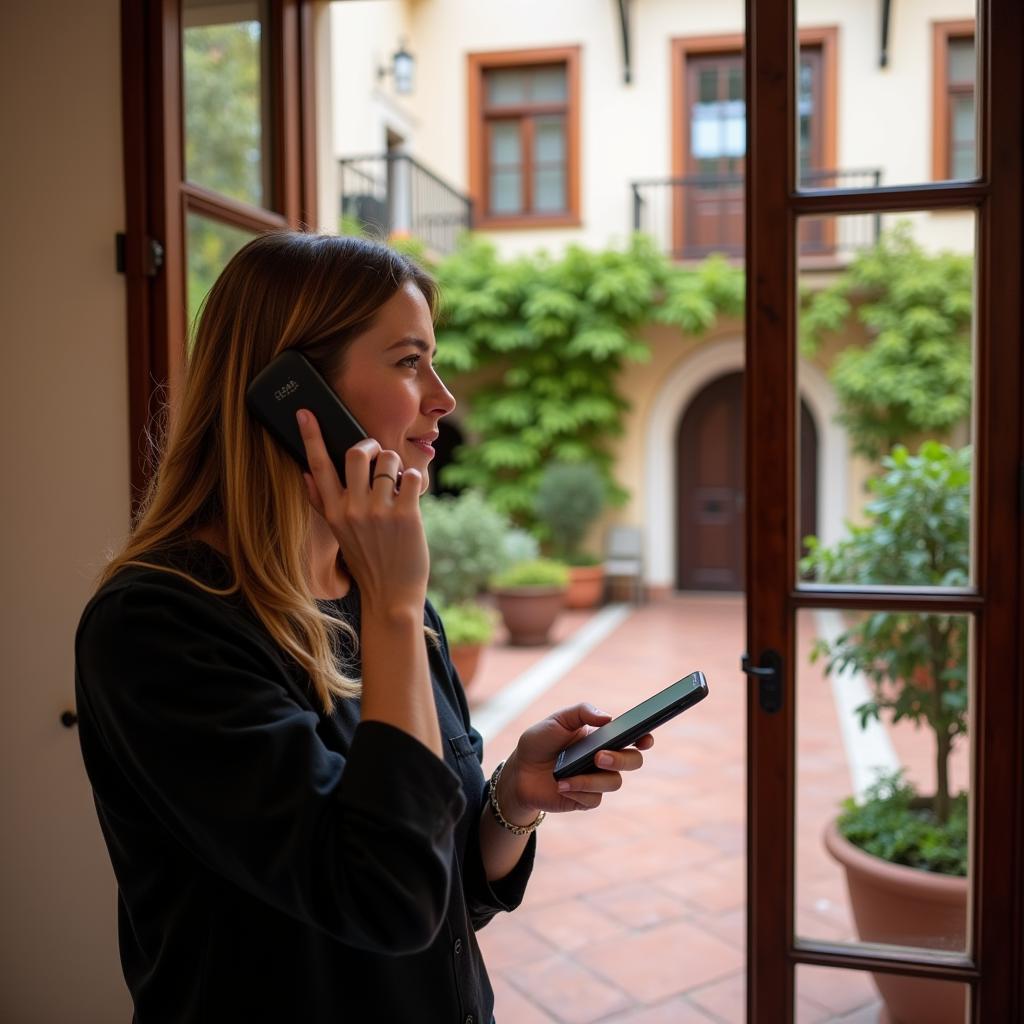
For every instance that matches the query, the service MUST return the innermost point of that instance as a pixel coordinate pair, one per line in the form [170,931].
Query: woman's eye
[410,361]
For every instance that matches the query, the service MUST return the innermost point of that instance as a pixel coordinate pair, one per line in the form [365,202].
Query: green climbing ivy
[914,377]
[557,333]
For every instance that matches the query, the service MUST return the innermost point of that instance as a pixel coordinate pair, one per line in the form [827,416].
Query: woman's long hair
[220,467]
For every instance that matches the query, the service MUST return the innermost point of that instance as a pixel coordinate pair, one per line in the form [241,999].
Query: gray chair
[624,558]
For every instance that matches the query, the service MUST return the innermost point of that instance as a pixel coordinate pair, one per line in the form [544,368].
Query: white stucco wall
[884,115]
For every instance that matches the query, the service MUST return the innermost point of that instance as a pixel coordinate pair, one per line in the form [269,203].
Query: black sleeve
[484,899]
[201,721]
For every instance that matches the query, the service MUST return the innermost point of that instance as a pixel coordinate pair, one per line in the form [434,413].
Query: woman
[280,750]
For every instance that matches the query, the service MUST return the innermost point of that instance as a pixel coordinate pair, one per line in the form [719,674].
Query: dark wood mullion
[998,931]
[770,408]
[891,199]
[525,110]
[308,209]
[146,360]
[287,120]
[884,598]
[924,964]
[230,211]
[526,144]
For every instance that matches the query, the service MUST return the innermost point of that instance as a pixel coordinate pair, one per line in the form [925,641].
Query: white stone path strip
[493,715]
[868,750]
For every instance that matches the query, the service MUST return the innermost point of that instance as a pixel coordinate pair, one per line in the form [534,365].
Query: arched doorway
[709,486]
[449,438]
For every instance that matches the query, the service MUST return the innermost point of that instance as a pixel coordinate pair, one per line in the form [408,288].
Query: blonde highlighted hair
[219,468]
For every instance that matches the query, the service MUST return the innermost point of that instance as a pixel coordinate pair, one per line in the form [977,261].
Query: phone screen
[629,727]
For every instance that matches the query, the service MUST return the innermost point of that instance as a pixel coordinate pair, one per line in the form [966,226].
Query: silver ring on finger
[386,476]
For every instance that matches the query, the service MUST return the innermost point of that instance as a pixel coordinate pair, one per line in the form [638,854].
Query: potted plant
[466,538]
[905,854]
[570,497]
[529,596]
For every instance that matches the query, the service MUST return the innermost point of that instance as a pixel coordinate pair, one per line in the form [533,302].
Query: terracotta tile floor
[635,912]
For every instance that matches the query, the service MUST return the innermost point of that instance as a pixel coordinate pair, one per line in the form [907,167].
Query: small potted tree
[905,854]
[530,596]
[466,537]
[570,497]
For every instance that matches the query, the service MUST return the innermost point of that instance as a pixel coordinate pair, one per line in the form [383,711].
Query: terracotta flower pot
[905,906]
[529,613]
[466,658]
[586,586]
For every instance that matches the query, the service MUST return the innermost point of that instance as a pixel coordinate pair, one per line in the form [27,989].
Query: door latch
[769,679]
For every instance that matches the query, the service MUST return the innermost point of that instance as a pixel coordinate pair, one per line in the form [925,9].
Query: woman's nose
[440,400]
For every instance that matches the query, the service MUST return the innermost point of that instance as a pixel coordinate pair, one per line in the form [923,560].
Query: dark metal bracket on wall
[627,64]
[883,56]
[769,679]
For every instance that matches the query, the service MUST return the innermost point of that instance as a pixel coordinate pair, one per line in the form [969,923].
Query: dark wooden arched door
[709,486]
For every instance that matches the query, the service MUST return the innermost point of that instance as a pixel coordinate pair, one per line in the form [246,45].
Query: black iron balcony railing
[692,217]
[394,194]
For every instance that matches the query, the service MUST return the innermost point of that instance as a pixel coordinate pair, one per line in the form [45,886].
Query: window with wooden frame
[709,138]
[524,138]
[954,70]
[219,147]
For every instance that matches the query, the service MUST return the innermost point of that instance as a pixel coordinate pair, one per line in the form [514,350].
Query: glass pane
[548,85]
[964,165]
[707,85]
[506,87]
[505,144]
[549,189]
[209,245]
[962,62]
[549,139]
[886,381]
[718,129]
[878,107]
[736,83]
[829,995]
[883,778]
[225,98]
[506,192]
[963,122]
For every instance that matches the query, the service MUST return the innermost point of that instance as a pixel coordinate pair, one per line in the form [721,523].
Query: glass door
[885,727]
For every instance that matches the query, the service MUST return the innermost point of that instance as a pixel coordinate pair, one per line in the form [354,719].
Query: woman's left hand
[531,782]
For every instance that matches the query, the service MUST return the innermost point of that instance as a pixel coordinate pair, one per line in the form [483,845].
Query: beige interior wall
[65,492]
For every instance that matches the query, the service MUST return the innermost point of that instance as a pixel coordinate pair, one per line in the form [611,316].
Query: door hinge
[154,255]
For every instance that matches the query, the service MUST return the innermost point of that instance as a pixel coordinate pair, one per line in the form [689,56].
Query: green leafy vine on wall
[914,377]
[557,334]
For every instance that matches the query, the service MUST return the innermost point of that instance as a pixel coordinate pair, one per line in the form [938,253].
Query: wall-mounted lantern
[402,70]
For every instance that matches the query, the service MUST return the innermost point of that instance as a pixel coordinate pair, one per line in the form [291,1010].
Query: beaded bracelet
[519,830]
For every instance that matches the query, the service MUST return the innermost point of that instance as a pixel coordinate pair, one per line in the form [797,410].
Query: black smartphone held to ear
[291,382]
[628,728]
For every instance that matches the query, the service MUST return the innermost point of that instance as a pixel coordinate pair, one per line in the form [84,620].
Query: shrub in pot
[896,843]
[529,596]
[469,627]
[570,497]
[466,537]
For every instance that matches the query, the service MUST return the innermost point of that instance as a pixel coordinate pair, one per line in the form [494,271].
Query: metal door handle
[769,677]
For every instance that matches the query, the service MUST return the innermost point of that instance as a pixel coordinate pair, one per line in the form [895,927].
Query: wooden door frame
[995,939]
[157,197]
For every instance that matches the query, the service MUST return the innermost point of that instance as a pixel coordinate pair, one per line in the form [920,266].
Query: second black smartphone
[291,382]
[628,728]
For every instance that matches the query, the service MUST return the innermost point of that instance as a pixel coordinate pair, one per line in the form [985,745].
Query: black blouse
[275,863]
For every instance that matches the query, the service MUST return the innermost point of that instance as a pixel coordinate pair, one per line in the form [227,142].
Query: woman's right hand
[378,527]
